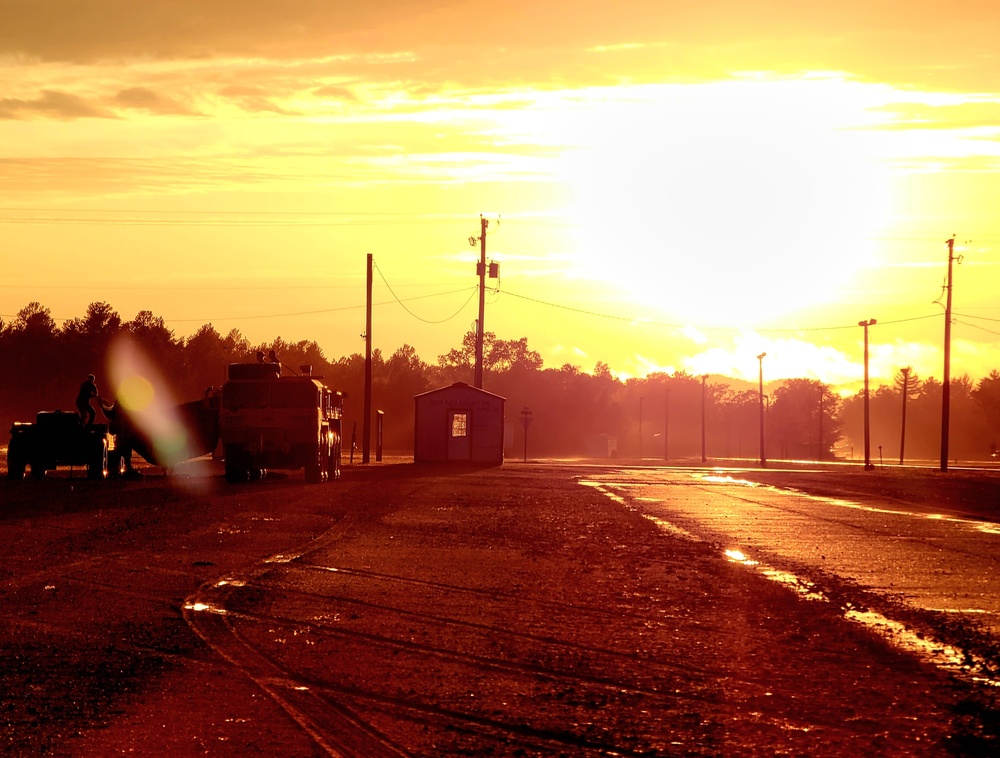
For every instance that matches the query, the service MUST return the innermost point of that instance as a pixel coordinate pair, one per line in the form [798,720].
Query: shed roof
[459,386]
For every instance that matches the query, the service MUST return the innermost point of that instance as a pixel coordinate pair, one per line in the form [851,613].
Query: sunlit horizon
[659,199]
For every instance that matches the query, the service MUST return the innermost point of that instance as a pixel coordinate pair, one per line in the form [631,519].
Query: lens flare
[148,403]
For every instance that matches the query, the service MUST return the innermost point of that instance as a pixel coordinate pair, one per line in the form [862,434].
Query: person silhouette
[88,391]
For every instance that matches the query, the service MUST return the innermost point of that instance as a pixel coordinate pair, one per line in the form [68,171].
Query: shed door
[459,441]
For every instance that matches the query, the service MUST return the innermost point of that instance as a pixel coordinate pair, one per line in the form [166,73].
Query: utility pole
[366,432]
[821,389]
[760,397]
[640,428]
[481,270]
[868,456]
[666,421]
[704,455]
[946,383]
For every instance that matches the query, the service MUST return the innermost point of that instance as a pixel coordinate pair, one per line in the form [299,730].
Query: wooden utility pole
[704,454]
[946,383]
[760,398]
[666,422]
[481,270]
[366,432]
[821,451]
[868,451]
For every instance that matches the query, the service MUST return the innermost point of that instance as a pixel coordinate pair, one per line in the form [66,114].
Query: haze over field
[679,186]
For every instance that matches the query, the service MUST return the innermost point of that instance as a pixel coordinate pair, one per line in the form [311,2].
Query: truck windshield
[244,395]
[294,395]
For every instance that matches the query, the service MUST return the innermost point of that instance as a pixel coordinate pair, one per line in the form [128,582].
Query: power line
[632,319]
[179,217]
[980,318]
[283,315]
[419,318]
[976,326]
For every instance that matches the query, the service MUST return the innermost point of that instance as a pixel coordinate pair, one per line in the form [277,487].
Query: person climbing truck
[88,391]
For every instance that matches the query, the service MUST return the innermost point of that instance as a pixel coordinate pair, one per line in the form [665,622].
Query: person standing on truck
[88,391]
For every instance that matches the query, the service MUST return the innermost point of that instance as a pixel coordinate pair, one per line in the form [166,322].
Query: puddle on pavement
[945,656]
[205,608]
[986,527]
[231,583]
[727,479]
[795,583]
[663,524]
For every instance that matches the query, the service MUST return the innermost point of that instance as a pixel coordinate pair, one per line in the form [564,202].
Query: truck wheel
[97,468]
[16,464]
[333,464]
[236,466]
[314,471]
[37,470]
[117,465]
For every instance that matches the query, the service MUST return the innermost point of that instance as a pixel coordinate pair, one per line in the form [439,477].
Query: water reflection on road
[931,561]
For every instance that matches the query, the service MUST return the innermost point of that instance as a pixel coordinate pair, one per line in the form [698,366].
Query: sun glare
[755,183]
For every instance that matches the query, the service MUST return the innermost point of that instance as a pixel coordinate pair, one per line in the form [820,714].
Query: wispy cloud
[148,101]
[51,104]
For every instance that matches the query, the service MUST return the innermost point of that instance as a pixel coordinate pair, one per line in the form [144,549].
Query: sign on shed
[458,423]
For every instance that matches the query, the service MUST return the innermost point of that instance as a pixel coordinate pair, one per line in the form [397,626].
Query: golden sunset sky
[679,186]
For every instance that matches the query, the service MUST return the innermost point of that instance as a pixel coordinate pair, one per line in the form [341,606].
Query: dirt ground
[409,610]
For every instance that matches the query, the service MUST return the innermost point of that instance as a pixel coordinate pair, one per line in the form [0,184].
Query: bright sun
[722,209]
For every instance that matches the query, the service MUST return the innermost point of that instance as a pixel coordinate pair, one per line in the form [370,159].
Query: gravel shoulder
[410,610]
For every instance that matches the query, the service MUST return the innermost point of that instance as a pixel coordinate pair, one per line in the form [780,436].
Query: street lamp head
[761,356]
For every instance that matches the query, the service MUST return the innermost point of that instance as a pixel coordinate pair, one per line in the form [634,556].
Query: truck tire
[314,467]
[97,466]
[16,463]
[37,469]
[333,464]
[237,471]
[117,465]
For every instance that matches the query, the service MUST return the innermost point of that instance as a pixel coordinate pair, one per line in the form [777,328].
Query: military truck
[272,420]
[60,438]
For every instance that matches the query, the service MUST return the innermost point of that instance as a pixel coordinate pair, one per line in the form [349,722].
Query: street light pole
[760,394]
[666,422]
[868,451]
[704,456]
[526,422]
[640,428]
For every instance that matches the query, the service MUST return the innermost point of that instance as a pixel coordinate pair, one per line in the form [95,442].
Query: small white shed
[458,423]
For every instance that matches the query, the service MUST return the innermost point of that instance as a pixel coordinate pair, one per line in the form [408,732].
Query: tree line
[573,412]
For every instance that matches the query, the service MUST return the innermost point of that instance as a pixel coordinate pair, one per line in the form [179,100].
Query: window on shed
[459,425]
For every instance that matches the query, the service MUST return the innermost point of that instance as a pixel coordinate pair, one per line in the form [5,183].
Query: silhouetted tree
[987,398]
[908,384]
[801,411]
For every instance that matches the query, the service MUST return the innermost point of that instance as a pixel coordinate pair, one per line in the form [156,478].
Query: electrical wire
[632,319]
[980,318]
[976,326]
[124,217]
[285,315]
[420,318]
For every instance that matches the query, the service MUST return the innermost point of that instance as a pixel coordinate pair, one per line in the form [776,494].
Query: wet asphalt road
[936,562]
